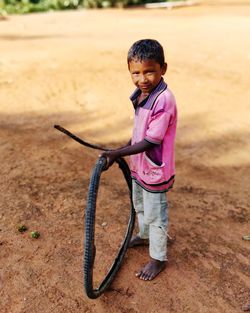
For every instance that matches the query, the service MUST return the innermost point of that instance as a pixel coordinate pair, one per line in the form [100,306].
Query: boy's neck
[142,97]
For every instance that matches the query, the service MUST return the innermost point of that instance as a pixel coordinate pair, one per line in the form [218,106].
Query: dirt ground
[69,68]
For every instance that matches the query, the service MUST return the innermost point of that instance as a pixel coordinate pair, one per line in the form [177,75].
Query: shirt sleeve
[157,127]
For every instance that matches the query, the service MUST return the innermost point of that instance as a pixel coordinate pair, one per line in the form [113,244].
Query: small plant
[35,234]
[22,228]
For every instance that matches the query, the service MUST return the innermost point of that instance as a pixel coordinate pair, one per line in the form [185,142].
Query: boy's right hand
[111,156]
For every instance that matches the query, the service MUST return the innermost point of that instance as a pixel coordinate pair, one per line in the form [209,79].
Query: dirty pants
[152,214]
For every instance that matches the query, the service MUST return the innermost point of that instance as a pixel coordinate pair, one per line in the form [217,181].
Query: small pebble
[246,307]
[246,237]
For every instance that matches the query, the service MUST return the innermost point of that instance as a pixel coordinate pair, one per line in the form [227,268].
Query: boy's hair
[145,49]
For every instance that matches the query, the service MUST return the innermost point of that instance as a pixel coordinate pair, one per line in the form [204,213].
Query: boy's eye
[146,73]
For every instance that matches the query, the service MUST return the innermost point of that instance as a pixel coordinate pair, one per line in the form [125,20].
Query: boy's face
[146,74]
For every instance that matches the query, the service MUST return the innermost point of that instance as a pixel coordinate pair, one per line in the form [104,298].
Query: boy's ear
[164,68]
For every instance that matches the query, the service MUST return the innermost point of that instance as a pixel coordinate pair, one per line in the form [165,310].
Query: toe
[145,275]
[151,276]
[148,275]
[141,276]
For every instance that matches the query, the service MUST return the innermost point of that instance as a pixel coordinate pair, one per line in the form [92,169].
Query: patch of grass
[29,6]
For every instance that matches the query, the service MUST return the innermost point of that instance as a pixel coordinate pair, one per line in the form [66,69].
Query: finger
[108,164]
[106,167]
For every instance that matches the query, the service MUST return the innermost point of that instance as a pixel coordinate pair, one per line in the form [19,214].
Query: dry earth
[69,68]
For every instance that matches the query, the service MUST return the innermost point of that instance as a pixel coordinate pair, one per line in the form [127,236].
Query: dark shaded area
[44,183]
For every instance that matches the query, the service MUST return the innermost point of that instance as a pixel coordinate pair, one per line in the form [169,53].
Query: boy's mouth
[145,86]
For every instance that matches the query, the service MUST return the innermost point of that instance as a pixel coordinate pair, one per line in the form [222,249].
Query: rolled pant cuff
[142,237]
[161,258]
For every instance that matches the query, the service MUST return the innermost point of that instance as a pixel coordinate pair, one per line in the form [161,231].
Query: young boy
[151,151]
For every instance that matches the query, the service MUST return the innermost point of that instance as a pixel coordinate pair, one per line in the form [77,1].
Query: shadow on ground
[44,183]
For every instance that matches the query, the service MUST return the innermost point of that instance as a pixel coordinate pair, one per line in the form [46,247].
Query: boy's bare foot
[138,241]
[151,270]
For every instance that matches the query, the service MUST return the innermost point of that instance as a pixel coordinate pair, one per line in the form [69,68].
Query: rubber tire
[89,230]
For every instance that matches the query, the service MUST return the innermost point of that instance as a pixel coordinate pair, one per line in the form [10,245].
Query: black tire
[89,236]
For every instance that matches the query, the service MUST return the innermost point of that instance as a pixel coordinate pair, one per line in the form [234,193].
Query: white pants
[152,213]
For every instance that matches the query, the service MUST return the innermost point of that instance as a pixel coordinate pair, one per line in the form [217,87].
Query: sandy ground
[69,68]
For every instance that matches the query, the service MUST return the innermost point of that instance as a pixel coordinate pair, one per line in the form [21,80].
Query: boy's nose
[143,78]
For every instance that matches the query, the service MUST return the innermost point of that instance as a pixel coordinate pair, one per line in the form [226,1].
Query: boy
[151,151]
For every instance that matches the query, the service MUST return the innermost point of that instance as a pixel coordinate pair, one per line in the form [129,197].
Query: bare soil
[69,68]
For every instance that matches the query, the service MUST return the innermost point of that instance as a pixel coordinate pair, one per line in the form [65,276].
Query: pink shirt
[155,121]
